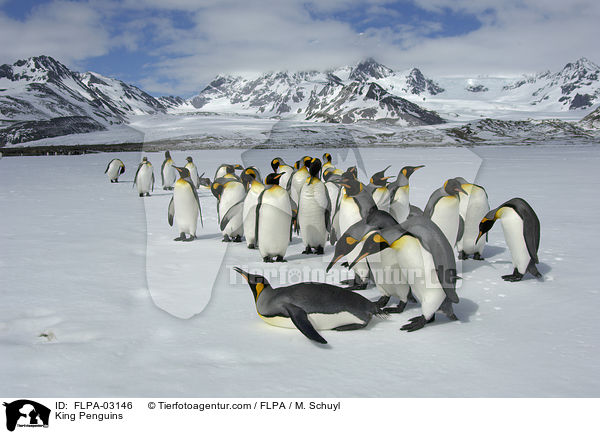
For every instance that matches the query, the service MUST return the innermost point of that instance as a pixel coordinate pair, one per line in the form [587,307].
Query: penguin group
[373,226]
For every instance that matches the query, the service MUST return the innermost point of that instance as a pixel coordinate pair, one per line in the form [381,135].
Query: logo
[26,413]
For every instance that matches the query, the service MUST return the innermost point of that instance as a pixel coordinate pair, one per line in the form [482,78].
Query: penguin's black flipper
[108,166]
[136,173]
[171,211]
[302,323]
[231,212]
[461,228]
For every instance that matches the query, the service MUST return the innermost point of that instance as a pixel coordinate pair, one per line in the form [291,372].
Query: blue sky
[176,47]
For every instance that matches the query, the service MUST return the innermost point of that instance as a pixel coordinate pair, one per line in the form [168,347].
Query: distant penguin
[310,306]
[184,206]
[168,172]
[254,172]
[254,188]
[114,169]
[279,166]
[230,194]
[273,220]
[427,263]
[299,178]
[379,190]
[327,164]
[521,228]
[314,209]
[191,167]
[144,178]
[399,192]
[443,208]
[227,170]
[473,208]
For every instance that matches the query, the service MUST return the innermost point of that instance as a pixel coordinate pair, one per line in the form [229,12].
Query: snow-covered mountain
[346,95]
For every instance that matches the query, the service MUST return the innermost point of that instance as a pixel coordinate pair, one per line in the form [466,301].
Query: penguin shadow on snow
[300,256]
[491,251]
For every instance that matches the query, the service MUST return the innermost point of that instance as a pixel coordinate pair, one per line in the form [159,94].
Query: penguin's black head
[373,243]
[486,223]
[328,173]
[409,170]
[183,172]
[238,167]
[306,161]
[257,282]
[327,157]
[276,162]
[167,155]
[453,187]
[247,179]
[353,171]
[229,169]
[273,178]
[379,179]
[352,185]
[216,188]
[189,159]
[347,242]
[145,159]
[315,167]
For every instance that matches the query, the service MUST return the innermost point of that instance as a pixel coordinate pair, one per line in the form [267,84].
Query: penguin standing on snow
[379,190]
[443,208]
[184,206]
[279,166]
[399,192]
[521,228]
[310,306]
[230,194]
[273,220]
[299,178]
[314,209]
[191,167]
[144,178]
[427,264]
[227,169]
[168,172]
[327,164]
[253,188]
[473,208]
[114,169]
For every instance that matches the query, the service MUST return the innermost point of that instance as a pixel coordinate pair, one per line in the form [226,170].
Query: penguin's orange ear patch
[404,172]
[351,241]
[259,288]
[379,239]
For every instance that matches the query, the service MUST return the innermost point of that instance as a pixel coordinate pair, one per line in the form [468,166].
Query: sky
[176,47]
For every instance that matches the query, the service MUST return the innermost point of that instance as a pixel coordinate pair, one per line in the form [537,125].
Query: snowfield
[129,312]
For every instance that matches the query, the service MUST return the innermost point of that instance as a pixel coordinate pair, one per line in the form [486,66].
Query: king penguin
[184,206]
[379,190]
[114,169]
[327,164]
[427,264]
[230,194]
[227,170]
[168,172]
[310,306]
[473,207]
[273,220]
[299,178]
[399,192]
[279,166]
[314,211]
[443,208]
[521,228]
[191,167]
[254,188]
[144,178]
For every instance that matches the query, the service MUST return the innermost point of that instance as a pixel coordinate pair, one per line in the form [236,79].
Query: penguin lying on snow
[310,306]
[522,234]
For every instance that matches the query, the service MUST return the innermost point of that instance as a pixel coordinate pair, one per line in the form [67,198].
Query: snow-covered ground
[94,266]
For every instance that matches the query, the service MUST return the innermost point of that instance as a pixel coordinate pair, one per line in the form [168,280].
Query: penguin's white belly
[418,270]
[274,223]
[320,321]
[381,197]
[144,179]
[349,214]
[512,225]
[169,175]
[113,170]
[222,171]
[311,214]
[233,193]
[285,178]
[472,209]
[388,275]
[446,217]
[400,206]
[298,181]
[186,208]
[332,191]
[249,216]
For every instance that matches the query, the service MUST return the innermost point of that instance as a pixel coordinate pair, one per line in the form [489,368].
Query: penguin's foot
[462,255]
[383,300]
[251,246]
[345,264]
[190,238]
[226,239]
[237,239]
[279,259]
[147,194]
[478,257]
[411,297]
[415,324]
[397,309]
[181,237]
[515,277]
[319,250]
[307,251]
[267,259]
[141,194]
[356,284]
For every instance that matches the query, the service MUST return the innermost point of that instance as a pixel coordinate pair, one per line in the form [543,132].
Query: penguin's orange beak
[333,262]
